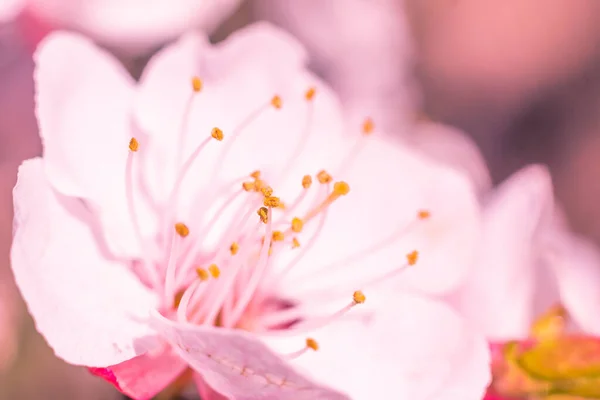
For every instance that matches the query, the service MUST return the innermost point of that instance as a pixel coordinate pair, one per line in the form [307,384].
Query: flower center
[230,286]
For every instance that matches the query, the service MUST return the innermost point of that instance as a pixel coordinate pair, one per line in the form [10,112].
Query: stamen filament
[147,263]
[255,279]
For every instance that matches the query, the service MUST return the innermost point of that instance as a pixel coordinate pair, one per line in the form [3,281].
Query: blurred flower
[362,48]
[529,261]
[132,26]
[143,262]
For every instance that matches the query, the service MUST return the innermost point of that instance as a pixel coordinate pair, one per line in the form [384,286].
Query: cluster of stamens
[245,270]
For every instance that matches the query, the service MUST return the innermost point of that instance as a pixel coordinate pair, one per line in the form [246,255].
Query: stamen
[306,181]
[234,248]
[339,189]
[291,315]
[297,225]
[217,134]
[276,102]
[257,276]
[278,236]
[196,84]
[423,214]
[324,177]
[295,243]
[311,344]
[271,201]
[368,126]
[267,191]
[263,214]
[202,274]
[214,271]
[310,93]
[181,231]
[358,297]
[147,263]
[367,129]
[357,256]
[134,144]
[248,186]
[255,174]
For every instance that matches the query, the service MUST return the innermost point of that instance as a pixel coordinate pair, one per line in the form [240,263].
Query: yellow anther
[368,126]
[341,188]
[295,243]
[271,201]
[423,214]
[248,186]
[259,184]
[214,270]
[281,205]
[306,181]
[216,133]
[276,102]
[196,84]
[255,174]
[359,297]
[312,344]
[263,213]
[310,93]
[202,274]
[182,229]
[177,298]
[234,248]
[297,225]
[278,236]
[134,145]
[324,177]
[412,257]
[267,191]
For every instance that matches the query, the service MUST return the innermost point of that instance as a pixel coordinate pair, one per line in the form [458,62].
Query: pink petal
[133,25]
[90,309]
[389,185]
[412,348]
[237,365]
[454,148]
[9,9]
[499,294]
[362,49]
[144,376]
[83,96]
[575,263]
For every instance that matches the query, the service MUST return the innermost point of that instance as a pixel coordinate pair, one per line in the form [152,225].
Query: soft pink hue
[100,266]
[134,26]
[9,9]
[529,261]
[362,48]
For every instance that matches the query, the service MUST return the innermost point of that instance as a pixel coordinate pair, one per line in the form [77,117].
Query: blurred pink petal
[134,26]
[361,47]
[9,9]
[575,263]
[499,292]
[450,146]
[107,236]
[529,261]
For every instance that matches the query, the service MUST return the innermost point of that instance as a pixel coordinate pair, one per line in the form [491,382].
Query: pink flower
[362,48]
[141,262]
[529,261]
[134,26]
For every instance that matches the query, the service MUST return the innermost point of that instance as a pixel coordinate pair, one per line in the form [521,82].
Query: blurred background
[521,78]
